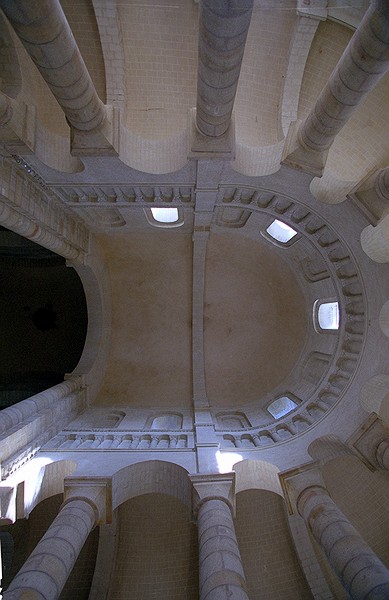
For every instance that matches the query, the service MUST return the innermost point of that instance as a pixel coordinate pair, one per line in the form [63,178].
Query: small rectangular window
[281,231]
[328,315]
[165,215]
[281,407]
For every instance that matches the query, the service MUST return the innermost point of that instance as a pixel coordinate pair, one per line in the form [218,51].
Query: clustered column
[220,565]
[45,572]
[363,575]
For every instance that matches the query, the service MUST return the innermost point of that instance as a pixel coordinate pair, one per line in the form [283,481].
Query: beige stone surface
[151,304]
[254,328]
[131,418]
[155,535]
[270,564]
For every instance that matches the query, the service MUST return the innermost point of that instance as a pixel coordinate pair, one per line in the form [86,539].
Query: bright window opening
[281,407]
[328,315]
[281,231]
[165,215]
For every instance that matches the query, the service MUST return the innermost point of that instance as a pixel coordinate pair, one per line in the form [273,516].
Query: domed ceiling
[215,313]
[263,339]
[255,320]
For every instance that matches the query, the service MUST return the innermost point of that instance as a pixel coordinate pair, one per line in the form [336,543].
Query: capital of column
[96,491]
[372,194]
[218,486]
[204,146]
[101,141]
[296,481]
[371,441]
[17,126]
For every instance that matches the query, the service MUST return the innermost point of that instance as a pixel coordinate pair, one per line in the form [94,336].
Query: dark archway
[43,318]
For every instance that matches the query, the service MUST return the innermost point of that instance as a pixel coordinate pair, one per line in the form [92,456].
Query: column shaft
[221,571]
[47,37]
[363,575]
[222,39]
[363,63]
[45,572]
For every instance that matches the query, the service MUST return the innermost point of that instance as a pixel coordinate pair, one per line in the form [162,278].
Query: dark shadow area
[43,319]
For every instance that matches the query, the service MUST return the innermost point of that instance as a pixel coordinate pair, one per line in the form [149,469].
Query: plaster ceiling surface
[255,321]
[149,361]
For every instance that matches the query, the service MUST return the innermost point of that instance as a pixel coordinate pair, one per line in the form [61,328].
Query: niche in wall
[107,420]
[232,420]
[165,421]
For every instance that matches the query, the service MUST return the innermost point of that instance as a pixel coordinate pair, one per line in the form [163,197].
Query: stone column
[45,572]
[363,63]
[360,571]
[47,37]
[220,566]
[222,39]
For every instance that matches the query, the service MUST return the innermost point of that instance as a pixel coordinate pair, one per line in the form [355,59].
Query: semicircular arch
[151,477]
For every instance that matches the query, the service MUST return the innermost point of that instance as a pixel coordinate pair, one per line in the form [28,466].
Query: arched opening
[44,318]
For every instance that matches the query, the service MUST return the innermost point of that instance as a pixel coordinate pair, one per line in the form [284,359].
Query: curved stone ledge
[123,441]
[338,264]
